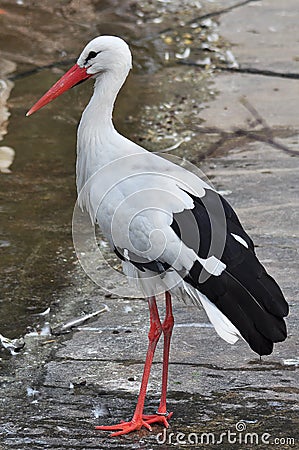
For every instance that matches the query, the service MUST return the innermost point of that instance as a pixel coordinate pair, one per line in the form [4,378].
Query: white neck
[98,113]
[97,139]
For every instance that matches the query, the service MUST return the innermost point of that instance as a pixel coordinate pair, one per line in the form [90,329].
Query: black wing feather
[245,293]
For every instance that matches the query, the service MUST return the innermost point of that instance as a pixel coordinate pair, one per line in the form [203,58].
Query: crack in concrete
[246,70]
[264,134]
[256,71]
[131,362]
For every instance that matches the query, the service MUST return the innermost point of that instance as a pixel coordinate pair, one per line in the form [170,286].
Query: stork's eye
[91,55]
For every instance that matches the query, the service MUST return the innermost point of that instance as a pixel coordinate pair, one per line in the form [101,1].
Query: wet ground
[58,387]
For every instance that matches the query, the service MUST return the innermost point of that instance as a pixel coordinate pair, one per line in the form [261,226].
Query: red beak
[68,80]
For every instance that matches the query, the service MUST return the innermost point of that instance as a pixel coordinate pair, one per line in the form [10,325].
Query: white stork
[174,233]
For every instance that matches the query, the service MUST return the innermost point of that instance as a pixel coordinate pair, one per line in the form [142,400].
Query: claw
[158,418]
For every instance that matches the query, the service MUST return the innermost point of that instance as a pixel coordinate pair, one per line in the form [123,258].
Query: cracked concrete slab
[263,36]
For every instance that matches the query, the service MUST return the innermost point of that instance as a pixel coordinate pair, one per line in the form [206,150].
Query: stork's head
[105,53]
[101,55]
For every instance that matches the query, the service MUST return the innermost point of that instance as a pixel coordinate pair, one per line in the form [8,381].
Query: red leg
[167,327]
[138,420]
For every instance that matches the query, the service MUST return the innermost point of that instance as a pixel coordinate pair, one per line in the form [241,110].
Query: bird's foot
[158,418]
[125,427]
[136,424]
